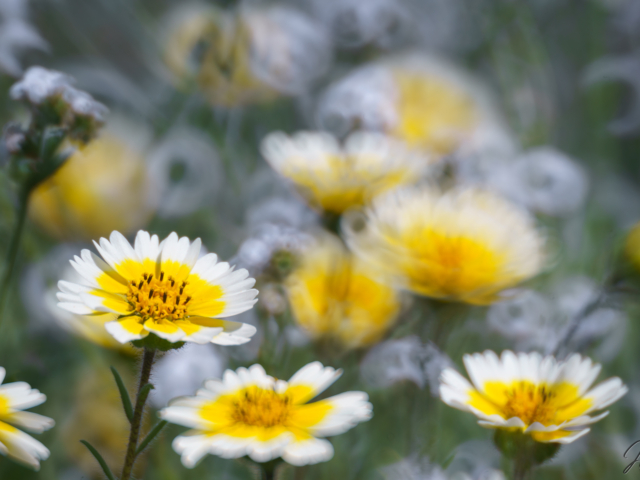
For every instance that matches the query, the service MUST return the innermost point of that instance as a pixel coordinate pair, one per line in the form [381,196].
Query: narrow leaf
[103,464]
[150,436]
[144,393]
[126,401]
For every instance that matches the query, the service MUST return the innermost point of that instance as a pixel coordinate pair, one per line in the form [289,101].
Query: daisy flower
[464,245]
[15,444]
[335,177]
[334,294]
[423,100]
[162,288]
[250,413]
[540,396]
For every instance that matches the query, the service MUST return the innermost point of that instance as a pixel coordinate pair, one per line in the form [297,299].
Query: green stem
[14,245]
[145,374]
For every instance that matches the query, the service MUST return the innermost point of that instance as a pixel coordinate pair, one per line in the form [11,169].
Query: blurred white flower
[16,34]
[543,180]
[354,23]
[413,468]
[281,210]
[625,69]
[256,252]
[288,50]
[186,170]
[183,371]
[403,359]
[365,98]
[532,321]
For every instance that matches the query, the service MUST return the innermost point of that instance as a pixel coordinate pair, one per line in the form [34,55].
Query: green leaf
[144,393]
[126,401]
[150,436]
[103,464]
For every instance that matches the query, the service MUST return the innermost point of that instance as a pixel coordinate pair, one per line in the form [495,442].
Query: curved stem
[14,245]
[145,374]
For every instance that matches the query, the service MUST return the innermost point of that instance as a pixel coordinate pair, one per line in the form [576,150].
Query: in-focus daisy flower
[103,186]
[463,245]
[161,288]
[540,396]
[250,413]
[334,294]
[15,444]
[426,102]
[335,177]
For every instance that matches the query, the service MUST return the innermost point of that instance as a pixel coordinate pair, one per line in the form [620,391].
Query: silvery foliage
[39,85]
[420,468]
[403,359]
[533,321]
[354,23]
[16,34]
[182,372]
[201,177]
[289,50]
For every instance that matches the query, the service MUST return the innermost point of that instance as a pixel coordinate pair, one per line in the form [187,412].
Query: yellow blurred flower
[333,294]
[336,177]
[102,187]
[632,246]
[423,100]
[464,245]
[246,56]
[107,431]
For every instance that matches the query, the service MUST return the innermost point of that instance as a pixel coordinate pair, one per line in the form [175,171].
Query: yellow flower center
[261,408]
[531,403]
[4,406]
[158,297]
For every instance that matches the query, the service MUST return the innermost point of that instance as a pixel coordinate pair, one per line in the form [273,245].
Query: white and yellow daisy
[426,101]
[161,288]
[250,413]
[335,177]
[548,399]
[464,245]
[334,294]
[14,443]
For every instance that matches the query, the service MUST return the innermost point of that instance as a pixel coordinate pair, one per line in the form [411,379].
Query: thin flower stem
[14,245]
[145,374]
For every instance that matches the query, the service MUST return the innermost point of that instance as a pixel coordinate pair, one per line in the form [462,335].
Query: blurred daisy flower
[15,444]
[426,102]
[420,468]
[250,413]
[333,294]
[161,288]
[246,56]
[103,186]
[549,400]
[335,177]
[464,245]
